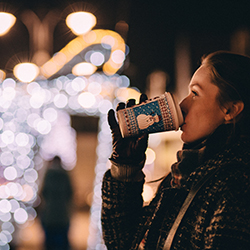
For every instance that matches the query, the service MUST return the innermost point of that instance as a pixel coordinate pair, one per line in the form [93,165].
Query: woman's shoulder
[232,183]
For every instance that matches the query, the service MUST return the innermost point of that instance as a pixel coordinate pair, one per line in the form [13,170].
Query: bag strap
[194,190]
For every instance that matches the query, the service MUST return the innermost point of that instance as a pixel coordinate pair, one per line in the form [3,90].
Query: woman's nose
[183,105]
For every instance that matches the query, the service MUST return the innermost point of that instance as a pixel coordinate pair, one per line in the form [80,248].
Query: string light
[107,38]
[35,122]
[35,126]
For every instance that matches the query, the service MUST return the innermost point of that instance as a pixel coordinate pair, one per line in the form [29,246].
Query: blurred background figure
[55,210]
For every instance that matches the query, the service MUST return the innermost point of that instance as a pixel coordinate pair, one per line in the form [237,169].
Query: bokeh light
[20,216]
[150,156]
[84,69]
[86,99]
[148,193]
[80,22]
[97,58]
[109,40]
[35,126]
[7,20]
[26,72]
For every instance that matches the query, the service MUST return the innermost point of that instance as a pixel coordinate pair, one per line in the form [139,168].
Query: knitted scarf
[193,155]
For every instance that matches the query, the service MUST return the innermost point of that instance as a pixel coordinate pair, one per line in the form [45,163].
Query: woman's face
[201,110]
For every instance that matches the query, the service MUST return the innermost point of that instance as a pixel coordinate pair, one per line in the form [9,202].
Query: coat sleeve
[121,210]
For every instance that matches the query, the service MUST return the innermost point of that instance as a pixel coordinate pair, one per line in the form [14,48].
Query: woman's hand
[128,150]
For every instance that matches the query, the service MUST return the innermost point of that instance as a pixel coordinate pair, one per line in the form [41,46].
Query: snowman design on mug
[144,121]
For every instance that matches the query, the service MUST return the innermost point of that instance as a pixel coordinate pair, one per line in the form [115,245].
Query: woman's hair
[230,72]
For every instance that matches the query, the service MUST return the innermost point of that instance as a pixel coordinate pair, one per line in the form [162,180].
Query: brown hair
[230,72]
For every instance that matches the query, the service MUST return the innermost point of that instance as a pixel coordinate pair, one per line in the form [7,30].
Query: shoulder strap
[194,190]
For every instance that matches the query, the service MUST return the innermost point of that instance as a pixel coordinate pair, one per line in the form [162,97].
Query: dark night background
[153,29]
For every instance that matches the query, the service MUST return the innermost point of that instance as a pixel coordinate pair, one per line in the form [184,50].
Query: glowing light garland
[33,117]
[35,126]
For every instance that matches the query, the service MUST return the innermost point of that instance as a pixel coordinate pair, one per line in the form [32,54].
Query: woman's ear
[233,110]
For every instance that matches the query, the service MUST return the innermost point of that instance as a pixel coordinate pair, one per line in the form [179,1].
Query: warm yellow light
[128,93]
[86,99]
[80,22]
[7,20]
[150,154]
[83,69]
[148,193]
[2,75]
[26,72]
[107,38]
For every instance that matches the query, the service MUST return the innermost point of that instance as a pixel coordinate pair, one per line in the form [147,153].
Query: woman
[214,162]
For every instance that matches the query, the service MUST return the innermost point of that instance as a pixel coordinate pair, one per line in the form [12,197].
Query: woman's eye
[194,93]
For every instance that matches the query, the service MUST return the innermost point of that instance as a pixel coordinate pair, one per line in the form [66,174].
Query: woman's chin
[186,138]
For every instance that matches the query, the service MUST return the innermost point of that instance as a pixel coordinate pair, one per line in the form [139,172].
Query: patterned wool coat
[218,217]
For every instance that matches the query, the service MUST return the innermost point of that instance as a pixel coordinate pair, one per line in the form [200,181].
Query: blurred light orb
[59,58]
[150,154]
[8,226]
[20,216]
[7,158]
[5,217]
[8,137]
[30,175]
[118,56]
[105,106]
[33,87]
[97,58]
[43,127]
[50,114]
[28,193]
[5,206]
[7,20]
[124,81]
[9,93]
[84,69]
[80,22]
[21,114]
[33,119]
[14,205]
[14,188]
[9,82]
[86,99]
[123,94]
[148,193]
[60,100]
[49,68]
[10,173]
[23,161]
[26,72]
[95,88]
[154,140]
[108,42]
[1,123]
[78,84]
[3,239]
[22,139]
[8,235]
[4,192]
[2,75]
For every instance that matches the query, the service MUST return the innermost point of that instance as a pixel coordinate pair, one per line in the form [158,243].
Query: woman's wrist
[127,172]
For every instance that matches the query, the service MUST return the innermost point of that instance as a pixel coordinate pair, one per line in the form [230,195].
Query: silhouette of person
[56,206]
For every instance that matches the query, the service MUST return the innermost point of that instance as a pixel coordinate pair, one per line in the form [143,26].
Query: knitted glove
[128,155]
